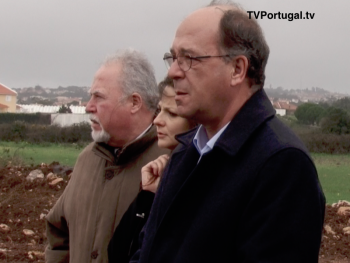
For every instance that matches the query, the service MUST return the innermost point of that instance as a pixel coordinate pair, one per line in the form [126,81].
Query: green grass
[334,174]
[65,154]
[333,170]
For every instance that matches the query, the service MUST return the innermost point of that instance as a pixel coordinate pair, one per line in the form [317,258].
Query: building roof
[284,105]
[6,90]
[2,106]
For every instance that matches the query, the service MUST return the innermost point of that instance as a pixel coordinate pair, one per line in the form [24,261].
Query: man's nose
[89,107]
[175,71]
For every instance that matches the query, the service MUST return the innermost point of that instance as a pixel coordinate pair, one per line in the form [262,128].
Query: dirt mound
[24,204]
[336,233]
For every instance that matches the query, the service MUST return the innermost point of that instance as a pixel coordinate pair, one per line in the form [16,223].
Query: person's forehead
[168,102]
[199,29]
[169,91]
[106,77]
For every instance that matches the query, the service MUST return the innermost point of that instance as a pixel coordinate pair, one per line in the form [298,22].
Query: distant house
[8,99]
[285,105]
[281,112]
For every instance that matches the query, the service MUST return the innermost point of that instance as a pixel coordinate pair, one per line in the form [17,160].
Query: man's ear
[137,102]
[239,70]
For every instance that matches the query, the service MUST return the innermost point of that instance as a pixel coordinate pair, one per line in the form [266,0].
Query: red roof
[2,106]
[284,105]
[6,90]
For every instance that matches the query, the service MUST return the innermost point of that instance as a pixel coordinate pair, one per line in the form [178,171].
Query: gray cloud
[60,43]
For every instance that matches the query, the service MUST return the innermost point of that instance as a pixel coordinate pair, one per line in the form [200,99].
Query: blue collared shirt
[202,142]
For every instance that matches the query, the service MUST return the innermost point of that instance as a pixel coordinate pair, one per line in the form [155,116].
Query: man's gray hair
[224,2]
[240,35]
[137,76]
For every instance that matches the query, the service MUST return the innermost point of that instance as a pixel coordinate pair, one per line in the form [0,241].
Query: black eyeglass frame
[168,56]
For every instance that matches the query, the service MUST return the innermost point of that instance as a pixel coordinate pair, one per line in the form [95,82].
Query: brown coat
[81,224]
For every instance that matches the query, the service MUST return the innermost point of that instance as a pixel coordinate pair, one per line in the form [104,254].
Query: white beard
[99,136]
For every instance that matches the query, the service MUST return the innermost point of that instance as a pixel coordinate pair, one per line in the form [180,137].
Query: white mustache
[94,118]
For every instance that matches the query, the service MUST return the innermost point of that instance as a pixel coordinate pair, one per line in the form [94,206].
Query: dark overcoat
[124,242]
[255,197]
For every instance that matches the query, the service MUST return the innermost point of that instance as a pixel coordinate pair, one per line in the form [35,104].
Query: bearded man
[106,177]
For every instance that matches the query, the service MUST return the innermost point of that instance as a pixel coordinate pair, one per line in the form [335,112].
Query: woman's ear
[239,70]
[137,102]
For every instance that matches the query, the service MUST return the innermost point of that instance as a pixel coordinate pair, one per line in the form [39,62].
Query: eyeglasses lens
[184,62]
[168,60]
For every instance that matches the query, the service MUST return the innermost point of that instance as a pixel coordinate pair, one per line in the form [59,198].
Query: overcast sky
[62,42]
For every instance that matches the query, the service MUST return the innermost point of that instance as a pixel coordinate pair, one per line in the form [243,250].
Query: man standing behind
[106,177]
[242,187]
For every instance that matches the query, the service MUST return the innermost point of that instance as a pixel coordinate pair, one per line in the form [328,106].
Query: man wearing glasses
[241,187]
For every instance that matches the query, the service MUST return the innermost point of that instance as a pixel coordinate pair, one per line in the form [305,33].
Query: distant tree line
[37,100]
[64,109]
[37,133]
[46,96]
[280,92]
[30,118]
[331,118]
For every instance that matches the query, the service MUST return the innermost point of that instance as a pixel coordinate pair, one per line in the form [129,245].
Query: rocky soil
[24,202]
[23,206]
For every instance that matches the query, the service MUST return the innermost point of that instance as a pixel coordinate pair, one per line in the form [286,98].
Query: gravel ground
[24,204]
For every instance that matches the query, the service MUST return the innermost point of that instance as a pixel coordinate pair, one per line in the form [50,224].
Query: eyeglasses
[185,62]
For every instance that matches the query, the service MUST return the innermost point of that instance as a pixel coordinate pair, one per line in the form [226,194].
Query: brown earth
[24,204]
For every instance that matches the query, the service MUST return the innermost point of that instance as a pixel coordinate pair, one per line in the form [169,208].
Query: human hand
[152,172]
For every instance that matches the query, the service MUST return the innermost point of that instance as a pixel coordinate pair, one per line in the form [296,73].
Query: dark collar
[130,151]
[253,113]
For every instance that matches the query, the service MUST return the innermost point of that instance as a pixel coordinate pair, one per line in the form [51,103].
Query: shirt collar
[256,111]
[202,142]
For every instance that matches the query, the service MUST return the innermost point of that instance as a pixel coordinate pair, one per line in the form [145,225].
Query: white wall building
[281,112]
[78,114]
[34,108]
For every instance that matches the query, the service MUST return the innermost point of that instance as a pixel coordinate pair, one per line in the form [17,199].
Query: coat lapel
[183,164]
[257,110]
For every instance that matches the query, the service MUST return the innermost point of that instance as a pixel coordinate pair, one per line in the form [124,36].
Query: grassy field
[334,174]
[37,154]
[333,170]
